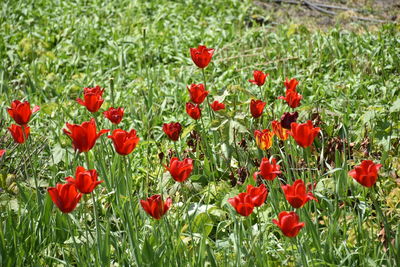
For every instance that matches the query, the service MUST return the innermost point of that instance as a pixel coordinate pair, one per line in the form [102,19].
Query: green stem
[73,239]
[97,224]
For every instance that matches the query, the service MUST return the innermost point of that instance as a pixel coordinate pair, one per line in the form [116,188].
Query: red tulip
[296,194]
[258,194]
[259,78]
[114,114]
[201,56]
[268,171]
[243,204]
[263,138]
[279,131]
[65,196]
[287,119]
[19,133]
[180,170]
[172,130]
[155,206]
[2,152]
[85,180]
[292,98]
[83,136]
[304,133]
[256,108]
[366,173]
[21,111]
[289,223]
[217,105]
[291,85]
[193,111]
[92,98]
[197,93]
[124,142]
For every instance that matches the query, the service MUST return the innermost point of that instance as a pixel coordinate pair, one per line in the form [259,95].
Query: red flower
[92,98]
[279,131]
[201,56]
[304,133]
[297,195]
[256,108]
[193,111]
[289,223]
[263,138]
[197,93]
[258,194]
[155,206]
[83,136]
[124,142]
[292,98]
[287,119]
[180,170]
[2,152]
[217,105]
[19,133]
[114,114]
[259,78]
[268,171]
[65,196]
[243,204]
[366,173]
[291,85]
[172,130]
[85,180]
[21,111]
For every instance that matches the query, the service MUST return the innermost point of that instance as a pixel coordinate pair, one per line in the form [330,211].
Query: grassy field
[139,52]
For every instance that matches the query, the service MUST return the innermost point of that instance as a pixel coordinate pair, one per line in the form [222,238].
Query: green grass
[50,50]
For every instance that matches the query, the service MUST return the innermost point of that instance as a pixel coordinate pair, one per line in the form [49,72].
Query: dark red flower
[259,77]
[155,206]
[19,133]
[217,105]
[197,93]
[289,223]
[366,173]
[292,98]
[291,85]
[263,138]
[180,170]
[268,171]
[83,136]
[296,194]
[85,180]
[243,204]
[304,133]
[201,56]
[193,111]
[21,111]
[2,152]
[124,142]
[172,130]
[114,114]
[258,194]
[256,108]
[92,98]
[65,196]
[287,119]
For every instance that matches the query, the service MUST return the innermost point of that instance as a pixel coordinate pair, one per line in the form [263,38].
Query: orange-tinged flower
[19,133]
[366,173]
[264,138]
[304,133]
[279,131]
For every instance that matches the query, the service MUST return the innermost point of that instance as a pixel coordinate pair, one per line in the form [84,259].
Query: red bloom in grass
[92,98]
[256,108]
[197,93]
[180,170]
[124,142]
[114,114]
[268,171]
[193,111]
[2,152]
[83,136]
[296,194]
[263,138]
[292,98]
[172,130]
[287,119]
[21,111]
[289,223]
[65,196]
[258,194]
[366,173]
[155,206]
[259,78]
[243,204]
[201,56]
[304,133]
[217,105]
[19,133]
[291,85]
[279,131]
[85,180]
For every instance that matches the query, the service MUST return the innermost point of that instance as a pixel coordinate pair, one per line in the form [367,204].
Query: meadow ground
[349,78]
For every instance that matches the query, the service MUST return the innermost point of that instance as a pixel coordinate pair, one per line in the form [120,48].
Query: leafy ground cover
[139,52]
